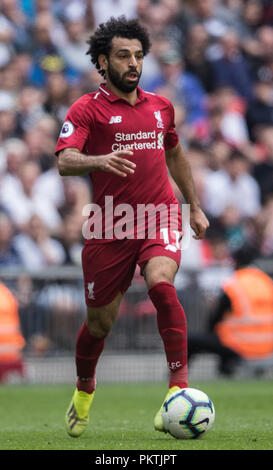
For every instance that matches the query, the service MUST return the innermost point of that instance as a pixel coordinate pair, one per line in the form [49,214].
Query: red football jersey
[100,122]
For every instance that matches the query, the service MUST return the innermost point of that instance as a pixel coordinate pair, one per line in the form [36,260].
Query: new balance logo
[115,119]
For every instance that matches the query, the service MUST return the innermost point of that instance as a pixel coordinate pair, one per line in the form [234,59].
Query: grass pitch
[32,418]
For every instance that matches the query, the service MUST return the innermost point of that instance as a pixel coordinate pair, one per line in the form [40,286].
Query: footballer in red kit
[124,138]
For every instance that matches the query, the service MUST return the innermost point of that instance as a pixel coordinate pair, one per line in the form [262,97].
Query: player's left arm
[181,173]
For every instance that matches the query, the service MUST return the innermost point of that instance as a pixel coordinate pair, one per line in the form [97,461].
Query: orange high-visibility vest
[11,339]
[248,328]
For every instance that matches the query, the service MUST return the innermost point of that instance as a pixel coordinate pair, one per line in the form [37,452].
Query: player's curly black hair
[100,41]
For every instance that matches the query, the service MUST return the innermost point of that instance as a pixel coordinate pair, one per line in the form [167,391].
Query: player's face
[124,65]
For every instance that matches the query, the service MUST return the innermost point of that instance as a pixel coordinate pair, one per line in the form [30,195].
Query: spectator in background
[103,10]
[16,153]
[268,11]
[29,108]
[258,50]
[18,23]
[252,15]
[47,127]
[186,132]
[11,339]
[196,60]
[3,164]
[6,38]
[7,115]
[9,255]
[265,38]
[34,319]
[12,76]
[241,327]
[56,95]
[215,17]
[50,187]
[160,45]
[76,88]
[18,200]
[76,195]
[21,204]
[219,254]
[45,6]
[199,161]
[232,227]
[49,184]
[218,151]
[72,239]
[73,48]
[231,69]
[188,89]
[264,223]
[38,145]
[263,170]
[198,255]
[163,16]
[47,32]
[35,246]
[232,185]
[226,112]
[260,109]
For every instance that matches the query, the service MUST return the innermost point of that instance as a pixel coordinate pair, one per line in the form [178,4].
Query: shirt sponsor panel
[150,141]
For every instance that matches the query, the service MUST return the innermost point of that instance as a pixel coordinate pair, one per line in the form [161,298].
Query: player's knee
[99,329]
[158,276]
[100,325]
[159,270]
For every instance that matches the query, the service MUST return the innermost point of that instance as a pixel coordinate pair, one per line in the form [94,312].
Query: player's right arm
[78,127]
[71,162]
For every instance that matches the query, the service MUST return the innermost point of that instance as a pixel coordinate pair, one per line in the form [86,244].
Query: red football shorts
[109,267]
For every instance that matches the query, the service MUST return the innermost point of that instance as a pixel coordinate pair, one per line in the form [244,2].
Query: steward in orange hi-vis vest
[11,339]
[248,327]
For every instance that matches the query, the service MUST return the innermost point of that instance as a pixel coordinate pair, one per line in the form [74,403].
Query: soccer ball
[188,413]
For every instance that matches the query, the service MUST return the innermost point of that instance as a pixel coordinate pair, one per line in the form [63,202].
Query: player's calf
[172,326]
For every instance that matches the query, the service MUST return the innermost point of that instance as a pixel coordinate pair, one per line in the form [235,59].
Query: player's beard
[119,81]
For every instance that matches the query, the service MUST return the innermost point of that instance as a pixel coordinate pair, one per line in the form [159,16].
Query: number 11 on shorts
[169,245]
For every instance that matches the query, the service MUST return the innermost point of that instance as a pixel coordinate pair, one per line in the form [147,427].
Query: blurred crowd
[212,58]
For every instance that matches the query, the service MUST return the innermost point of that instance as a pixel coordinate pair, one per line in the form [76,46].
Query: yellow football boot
[158,421]
[77,415]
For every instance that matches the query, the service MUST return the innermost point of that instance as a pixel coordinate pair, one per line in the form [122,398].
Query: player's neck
[130,97]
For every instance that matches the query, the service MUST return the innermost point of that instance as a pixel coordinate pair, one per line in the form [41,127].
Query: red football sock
[172,326]
[88,351]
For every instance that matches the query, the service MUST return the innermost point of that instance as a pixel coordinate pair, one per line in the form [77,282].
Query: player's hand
[199,223]
[116,163]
